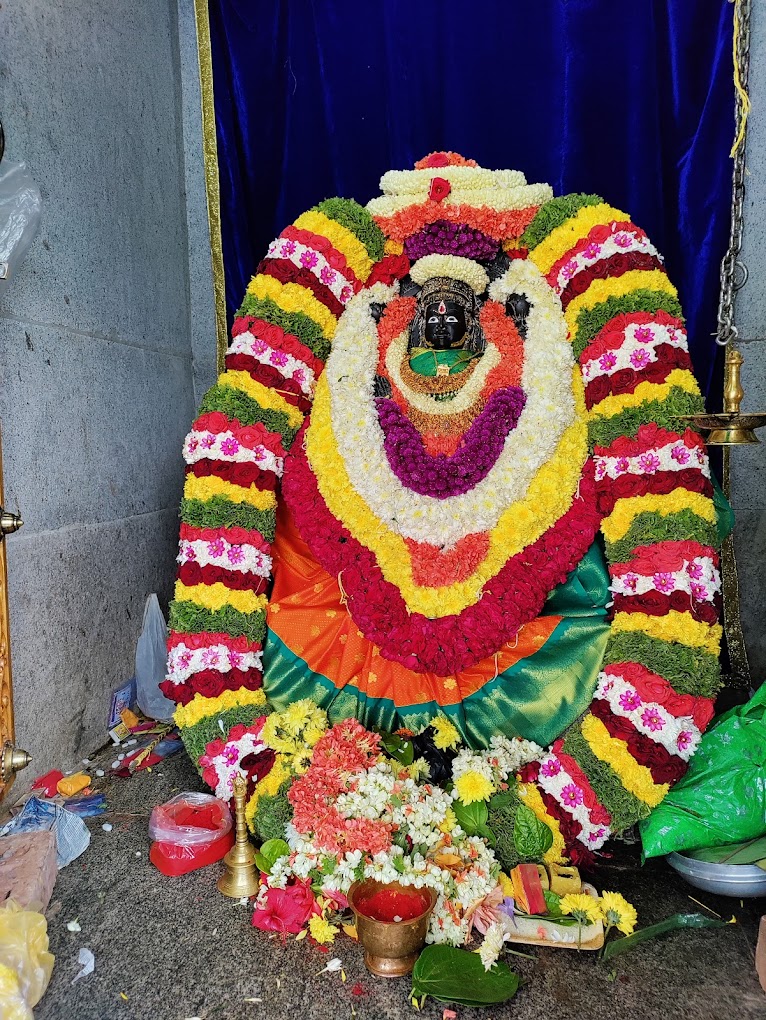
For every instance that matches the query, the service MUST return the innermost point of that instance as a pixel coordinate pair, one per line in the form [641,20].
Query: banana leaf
[674,923]
[455,975]
[751,852]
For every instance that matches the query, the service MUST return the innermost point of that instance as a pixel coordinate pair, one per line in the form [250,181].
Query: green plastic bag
[722,798]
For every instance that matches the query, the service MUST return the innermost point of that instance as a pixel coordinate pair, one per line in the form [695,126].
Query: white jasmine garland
[242,557]
[547,379]
[468,178]
[305,257]
[184,661]
[679,455]
[498,199]
[454,266]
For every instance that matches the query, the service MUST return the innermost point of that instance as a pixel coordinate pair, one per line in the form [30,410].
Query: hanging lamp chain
[734,272]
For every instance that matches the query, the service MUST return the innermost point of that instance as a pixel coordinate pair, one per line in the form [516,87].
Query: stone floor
[174,948]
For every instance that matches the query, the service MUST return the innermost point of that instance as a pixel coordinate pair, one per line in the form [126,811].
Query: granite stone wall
[748,463]
[107,338]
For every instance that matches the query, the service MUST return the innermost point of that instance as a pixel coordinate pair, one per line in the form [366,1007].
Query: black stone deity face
[445,325]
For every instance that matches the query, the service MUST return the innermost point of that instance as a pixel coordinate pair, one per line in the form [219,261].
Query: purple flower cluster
[444,238]
[442,476]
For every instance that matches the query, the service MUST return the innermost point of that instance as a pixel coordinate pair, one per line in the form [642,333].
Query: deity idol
[490,509]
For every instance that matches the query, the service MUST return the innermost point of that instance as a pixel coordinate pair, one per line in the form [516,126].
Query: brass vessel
[241,877]
[391,948]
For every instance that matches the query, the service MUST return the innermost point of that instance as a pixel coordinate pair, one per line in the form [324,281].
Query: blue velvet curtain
[634,101]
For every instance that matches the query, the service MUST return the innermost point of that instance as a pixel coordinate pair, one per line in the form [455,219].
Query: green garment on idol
[426,360]
[537,697]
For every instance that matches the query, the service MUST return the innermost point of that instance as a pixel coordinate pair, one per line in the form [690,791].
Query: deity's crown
[447,178]
[446,288]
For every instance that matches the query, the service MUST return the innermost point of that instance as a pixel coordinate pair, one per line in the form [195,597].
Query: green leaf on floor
[751,852]
[674,923]
[455,975]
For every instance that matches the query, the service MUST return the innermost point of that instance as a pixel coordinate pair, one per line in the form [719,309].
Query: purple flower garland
[442,476]
[445,238]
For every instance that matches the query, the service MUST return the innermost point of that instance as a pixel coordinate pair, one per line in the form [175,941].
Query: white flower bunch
[503,758]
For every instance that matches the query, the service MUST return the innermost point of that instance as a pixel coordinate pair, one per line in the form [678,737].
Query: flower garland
[650,481]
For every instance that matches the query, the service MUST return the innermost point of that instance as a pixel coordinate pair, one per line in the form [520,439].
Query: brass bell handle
[9,523]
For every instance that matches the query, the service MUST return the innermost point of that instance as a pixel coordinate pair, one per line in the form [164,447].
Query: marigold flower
[447,734]
[473,786]
[586,909]
[321,930]
[618,913]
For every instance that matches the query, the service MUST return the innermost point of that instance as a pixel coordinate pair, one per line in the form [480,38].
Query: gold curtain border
[212,185]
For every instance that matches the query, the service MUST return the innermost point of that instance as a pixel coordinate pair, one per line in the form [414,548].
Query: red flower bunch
[442,158]
[286,910]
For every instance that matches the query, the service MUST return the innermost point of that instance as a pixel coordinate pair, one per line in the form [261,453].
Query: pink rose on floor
[286,910]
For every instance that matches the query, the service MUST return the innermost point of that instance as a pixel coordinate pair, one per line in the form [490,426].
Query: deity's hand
[517,307]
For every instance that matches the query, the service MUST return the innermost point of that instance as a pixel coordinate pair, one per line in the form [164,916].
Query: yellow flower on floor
[472,786]
[618,913]
[321,930]
[446,735]
[581,906]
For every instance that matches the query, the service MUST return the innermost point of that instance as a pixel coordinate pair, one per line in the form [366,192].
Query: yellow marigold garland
[637,779]
[200,707]
[566,236]
[216,596]
[206,487]
[617,286]
[617,524]
[548,498]
[291,297]
[675,626]
[680,378]
[267,398]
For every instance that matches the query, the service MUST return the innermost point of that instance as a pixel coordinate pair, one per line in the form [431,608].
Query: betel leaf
[455,975]
[398,748]
[531,837]
[751,852]
[674,923]
[270,852]
[471,817]
[553,903]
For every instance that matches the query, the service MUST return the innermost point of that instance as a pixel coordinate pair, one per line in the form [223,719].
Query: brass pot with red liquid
[391,946]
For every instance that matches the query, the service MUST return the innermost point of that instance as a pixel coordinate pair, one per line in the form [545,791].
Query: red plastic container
[190,832]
